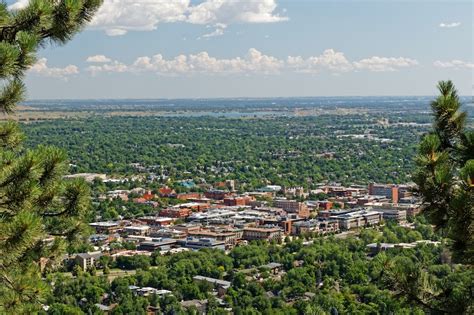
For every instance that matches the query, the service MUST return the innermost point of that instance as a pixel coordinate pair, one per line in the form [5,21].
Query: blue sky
[261,48]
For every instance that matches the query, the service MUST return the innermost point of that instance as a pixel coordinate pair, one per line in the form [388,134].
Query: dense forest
[352,148]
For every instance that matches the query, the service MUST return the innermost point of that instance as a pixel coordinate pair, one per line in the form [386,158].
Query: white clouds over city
[382,64]
[454,64]
[254,62]
[41,68]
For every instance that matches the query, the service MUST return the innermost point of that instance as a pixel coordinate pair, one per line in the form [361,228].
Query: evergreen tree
[39,212]
[445,174]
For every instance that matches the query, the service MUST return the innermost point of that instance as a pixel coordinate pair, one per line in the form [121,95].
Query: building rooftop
[104,224]
[223,283]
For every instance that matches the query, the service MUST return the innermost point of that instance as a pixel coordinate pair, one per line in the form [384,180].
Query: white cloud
[254,62]
[41,68]
[455,64]
[380,64]
[328,60]
[115,32]
[232,11]
[117,17]
[98,59]
[218,31]
[202,63]
[449,25]
[114,66]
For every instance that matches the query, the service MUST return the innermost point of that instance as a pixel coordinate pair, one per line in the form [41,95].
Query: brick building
[175,212]
[262,233]
[293,206]
[217,194]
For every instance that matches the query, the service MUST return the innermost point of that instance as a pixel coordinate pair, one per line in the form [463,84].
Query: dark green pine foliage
[445,173]
[39,212]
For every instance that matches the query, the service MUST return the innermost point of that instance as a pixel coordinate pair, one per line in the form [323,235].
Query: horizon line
[228,98]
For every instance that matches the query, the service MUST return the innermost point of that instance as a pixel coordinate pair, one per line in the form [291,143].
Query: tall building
[292,206]
[388,190]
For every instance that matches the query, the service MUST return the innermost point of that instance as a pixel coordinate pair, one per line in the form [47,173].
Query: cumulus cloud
[117,17]
[329,60]
[203,63]
[41,68]
[381,64]
[455,64]
[231,11]
[98,59]
[254,62]
[449,25]
[114,66]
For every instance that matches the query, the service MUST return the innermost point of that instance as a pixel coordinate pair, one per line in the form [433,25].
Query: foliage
[333,276]
[34,202]
[287,151]
[445,174]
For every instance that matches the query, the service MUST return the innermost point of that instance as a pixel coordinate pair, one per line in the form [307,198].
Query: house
[167,192]
[147,291]
[274,267]
[148,195]
[87,260]
[121,194]
[220,285]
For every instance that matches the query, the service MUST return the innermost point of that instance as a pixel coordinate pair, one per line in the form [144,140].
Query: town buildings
[292,206]
[222,219]
[262,233]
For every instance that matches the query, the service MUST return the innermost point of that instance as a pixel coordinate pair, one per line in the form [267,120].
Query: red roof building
[179,213]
